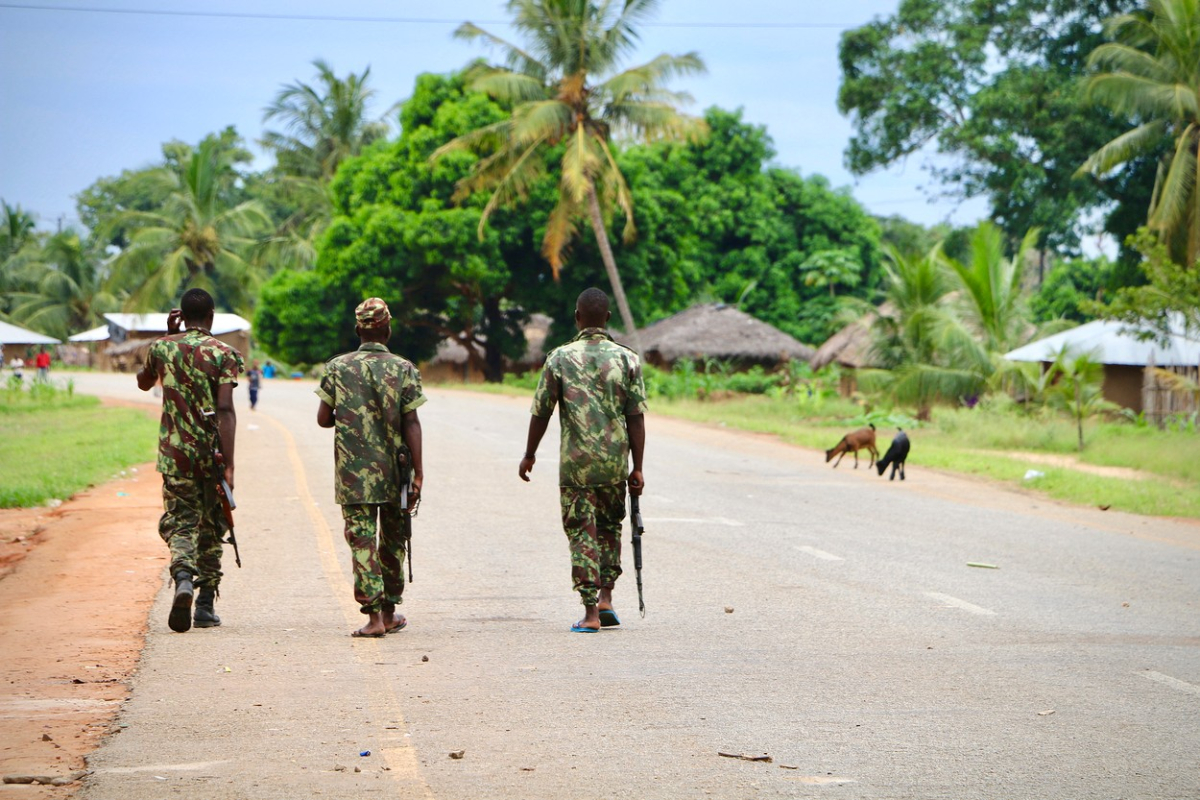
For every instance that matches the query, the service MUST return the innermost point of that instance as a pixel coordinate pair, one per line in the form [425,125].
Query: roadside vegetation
[54,443]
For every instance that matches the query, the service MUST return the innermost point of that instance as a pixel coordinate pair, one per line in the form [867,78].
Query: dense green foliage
[1150,75]
[996,88]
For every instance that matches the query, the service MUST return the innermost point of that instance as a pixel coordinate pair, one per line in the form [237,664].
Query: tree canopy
[995,89]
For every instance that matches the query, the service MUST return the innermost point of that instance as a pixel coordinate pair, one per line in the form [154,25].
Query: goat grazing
[896,455]
[854,441]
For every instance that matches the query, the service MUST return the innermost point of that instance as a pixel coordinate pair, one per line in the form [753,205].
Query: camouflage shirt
[369,391]
[191,366]
[596,383]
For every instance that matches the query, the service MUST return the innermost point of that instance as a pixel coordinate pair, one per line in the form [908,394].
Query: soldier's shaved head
[197,306]
[591,309]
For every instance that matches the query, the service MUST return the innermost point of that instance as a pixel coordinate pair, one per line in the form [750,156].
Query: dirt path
[76,586]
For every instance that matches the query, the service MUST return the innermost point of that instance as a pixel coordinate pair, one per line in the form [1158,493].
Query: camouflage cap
[372,313]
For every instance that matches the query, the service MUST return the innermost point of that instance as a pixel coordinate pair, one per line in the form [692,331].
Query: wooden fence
[1170,392]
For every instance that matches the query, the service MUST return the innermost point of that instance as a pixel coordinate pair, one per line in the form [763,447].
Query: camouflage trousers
[592,517]
[378,562]
[192,526]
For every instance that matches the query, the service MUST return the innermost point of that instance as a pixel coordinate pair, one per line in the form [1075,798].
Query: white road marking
[1174,683]
[733,523]
[821,554]
[963,604]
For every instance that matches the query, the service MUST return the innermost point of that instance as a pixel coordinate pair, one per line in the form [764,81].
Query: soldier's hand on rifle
[414,496]
[526,467]
[174,321]
[229,476]
[636,483]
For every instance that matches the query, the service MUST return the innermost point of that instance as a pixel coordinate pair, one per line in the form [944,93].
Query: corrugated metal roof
[15,334]
[157,323]
[1115,343]
[94,335]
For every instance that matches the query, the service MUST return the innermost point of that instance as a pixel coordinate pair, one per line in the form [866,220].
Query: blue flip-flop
[581,629]
[609,618]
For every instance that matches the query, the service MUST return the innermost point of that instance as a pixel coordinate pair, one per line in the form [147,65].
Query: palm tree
[66,293]
[195,239]
[1151,73]
[323,125]
[928,354]
[15,231]
[994,304]
[559,106]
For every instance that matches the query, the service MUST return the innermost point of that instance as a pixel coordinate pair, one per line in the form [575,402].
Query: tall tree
[1151,74]
[994,302]
[994,87]
[928,355]
[16,230]
[568,101]
[397,233]
[197,237]
[323,124]
[65,288]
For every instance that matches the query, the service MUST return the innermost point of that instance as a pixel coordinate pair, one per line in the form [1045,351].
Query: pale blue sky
[86,94]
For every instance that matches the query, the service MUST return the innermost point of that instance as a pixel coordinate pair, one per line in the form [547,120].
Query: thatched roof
[721,332]
[851,346]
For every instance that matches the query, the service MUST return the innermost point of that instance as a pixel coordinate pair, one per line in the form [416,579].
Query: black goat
[896,455]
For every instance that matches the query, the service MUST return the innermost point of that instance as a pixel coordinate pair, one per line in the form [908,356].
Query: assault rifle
[225,494]
[636,523]
[404,475]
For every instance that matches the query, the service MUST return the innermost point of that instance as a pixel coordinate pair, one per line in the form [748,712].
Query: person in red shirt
[43,365]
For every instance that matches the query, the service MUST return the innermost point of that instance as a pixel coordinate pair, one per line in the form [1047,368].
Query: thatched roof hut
[721,332]
[851,346]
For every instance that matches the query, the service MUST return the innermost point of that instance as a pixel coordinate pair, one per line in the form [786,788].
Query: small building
[83,348]
[21,342]
[130,335]
[719,332]
[1125,356]
[852,349]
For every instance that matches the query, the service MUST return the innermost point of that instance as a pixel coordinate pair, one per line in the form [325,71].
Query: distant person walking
[370,398]
[597,386]
[42,361]
[18,367]
[253,379]
[198,374]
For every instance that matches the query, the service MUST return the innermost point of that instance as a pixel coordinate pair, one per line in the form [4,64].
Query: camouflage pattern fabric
[378,573]
[193,526]
[191,365]
[369,391]
[596,383]
[592,520]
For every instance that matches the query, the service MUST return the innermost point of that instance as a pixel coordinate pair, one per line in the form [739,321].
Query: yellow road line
[400,756]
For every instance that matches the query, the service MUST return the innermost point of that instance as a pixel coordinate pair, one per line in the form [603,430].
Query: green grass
[54,443]
[958,440]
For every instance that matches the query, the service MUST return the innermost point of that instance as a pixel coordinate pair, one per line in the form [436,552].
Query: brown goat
[854,441]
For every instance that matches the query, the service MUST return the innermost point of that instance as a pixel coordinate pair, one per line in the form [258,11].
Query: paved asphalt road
[862,653]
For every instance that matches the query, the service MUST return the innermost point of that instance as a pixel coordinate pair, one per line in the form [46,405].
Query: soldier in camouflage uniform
[370,397]
[198,374]
[597,386]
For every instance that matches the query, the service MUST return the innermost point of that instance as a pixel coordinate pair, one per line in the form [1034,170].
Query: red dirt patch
[76,588]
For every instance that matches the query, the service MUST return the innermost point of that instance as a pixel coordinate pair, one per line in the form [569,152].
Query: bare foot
[393,622]
[374,627]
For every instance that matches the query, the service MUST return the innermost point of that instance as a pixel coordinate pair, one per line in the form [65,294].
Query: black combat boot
[180,619]
[205,616]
